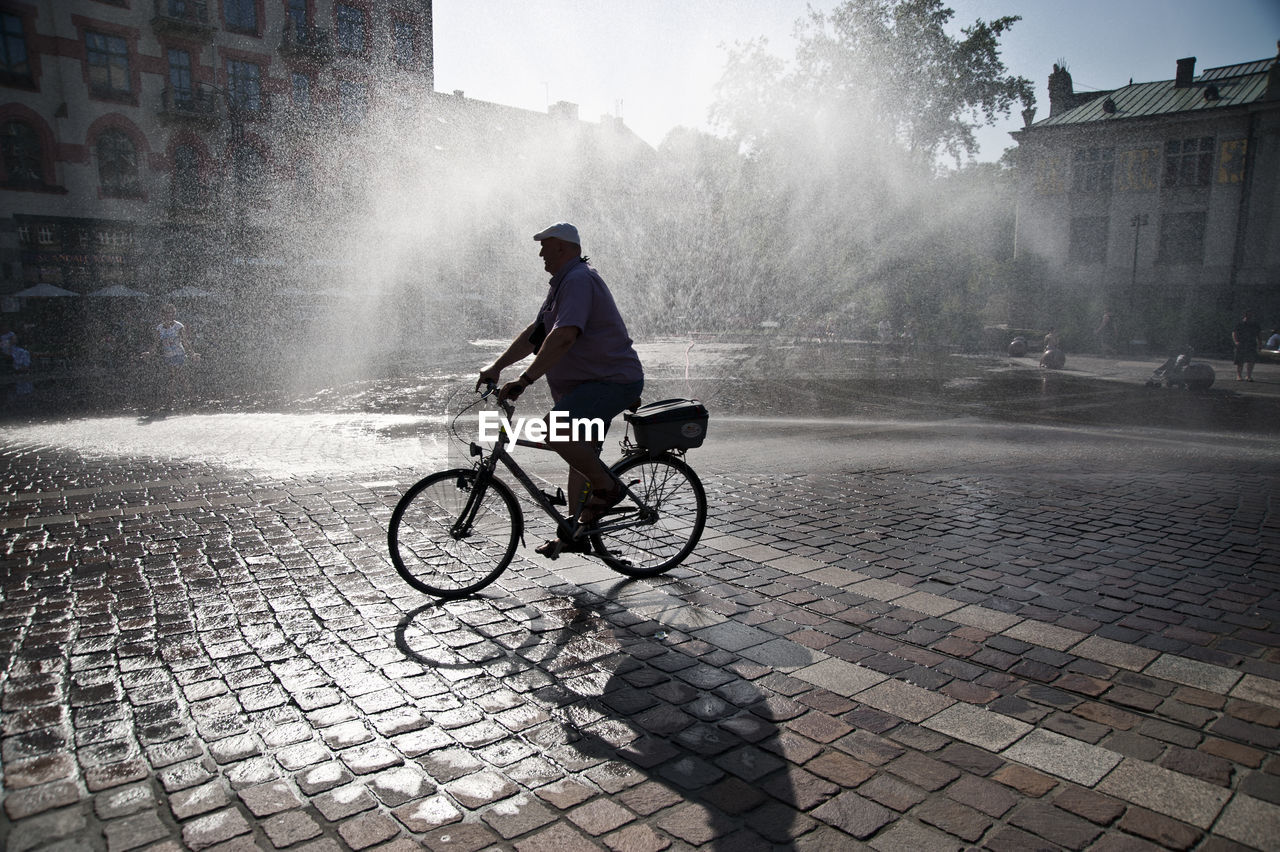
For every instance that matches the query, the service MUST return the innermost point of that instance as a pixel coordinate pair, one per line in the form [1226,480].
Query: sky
[655,63]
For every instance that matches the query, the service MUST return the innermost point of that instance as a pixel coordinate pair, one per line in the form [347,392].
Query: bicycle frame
[487,465]
[454,531]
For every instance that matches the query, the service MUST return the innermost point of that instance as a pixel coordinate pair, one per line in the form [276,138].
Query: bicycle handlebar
[491,389]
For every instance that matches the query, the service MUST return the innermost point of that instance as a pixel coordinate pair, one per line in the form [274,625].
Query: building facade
[1159,202]
[142,138]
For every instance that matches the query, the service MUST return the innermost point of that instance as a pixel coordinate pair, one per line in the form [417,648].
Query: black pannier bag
[671,424]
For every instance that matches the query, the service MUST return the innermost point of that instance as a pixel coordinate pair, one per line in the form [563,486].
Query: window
[112,238]
[181,91]
[1188,162]
[22,157]
[118,165]
[403,43]
[15,67]
[1091,169]
[353,99]
[301,92]
[350,28]
[241,15]
[186,176]
[297,12]
[244,85]
[108,59]
[298,27]
[1088,240]
[1138,169]
[187,10]
[1231,161]
[1181,238]
[1049,175]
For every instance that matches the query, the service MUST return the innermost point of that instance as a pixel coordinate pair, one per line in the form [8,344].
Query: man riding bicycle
[580,343]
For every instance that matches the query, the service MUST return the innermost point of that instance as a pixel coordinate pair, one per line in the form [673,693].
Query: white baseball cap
[561,231]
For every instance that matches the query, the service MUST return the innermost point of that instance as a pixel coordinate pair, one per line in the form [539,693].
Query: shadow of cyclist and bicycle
[629,700]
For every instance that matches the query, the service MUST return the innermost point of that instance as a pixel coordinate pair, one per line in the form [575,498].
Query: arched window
[187,190]
[22,157]
[118,165]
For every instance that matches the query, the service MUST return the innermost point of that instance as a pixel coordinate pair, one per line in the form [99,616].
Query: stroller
[1180,372]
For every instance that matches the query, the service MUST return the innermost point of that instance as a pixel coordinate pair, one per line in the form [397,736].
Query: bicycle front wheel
[447,540]
[657,535]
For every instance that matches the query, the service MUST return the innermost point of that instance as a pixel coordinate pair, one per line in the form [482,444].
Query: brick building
[140,136]
[283,155]
[1159,201]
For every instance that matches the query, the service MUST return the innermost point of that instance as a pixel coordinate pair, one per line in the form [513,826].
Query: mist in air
[825,200]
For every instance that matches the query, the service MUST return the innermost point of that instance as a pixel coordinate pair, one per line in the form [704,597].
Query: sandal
[553,547]
[598,503]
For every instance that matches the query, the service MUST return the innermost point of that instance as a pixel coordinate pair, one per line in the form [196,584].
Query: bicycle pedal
[556,499]
[554,547]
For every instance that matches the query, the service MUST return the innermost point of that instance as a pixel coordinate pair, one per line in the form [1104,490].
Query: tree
[841,147]
[887,68]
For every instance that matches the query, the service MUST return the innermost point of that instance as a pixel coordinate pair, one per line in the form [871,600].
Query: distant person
[174,348]
[11,351]
[580,343]
[1106,334]
[1053,357]
[8,340]
[911,332]
[1245,336]
[1273,342]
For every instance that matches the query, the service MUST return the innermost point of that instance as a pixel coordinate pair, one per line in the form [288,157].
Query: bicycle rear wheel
[660,534]
[437,557]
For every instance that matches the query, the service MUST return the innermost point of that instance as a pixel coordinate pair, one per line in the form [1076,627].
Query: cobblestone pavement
[1042,640]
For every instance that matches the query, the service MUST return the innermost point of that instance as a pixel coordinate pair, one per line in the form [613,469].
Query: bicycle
[455,531]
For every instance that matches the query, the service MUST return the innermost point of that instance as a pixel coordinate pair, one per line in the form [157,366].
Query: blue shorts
[603,400]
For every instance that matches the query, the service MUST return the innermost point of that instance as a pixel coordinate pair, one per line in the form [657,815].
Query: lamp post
[1139,221]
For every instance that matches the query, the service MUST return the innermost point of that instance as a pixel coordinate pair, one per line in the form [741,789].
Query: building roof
[1215,88]
[469,124]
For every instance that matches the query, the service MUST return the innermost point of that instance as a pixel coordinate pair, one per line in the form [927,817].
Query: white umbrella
[43,291]
[119,291]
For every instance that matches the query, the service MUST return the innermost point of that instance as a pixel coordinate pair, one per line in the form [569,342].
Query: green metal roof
[1235,85]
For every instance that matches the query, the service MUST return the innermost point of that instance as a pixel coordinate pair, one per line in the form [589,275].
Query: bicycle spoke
[434,557]
[664,530]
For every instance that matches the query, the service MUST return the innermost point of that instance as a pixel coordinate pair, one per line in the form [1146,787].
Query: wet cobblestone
[990,653]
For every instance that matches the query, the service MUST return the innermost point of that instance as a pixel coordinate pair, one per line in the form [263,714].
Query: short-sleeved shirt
[603,352]
[170,339]
[1247,333]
